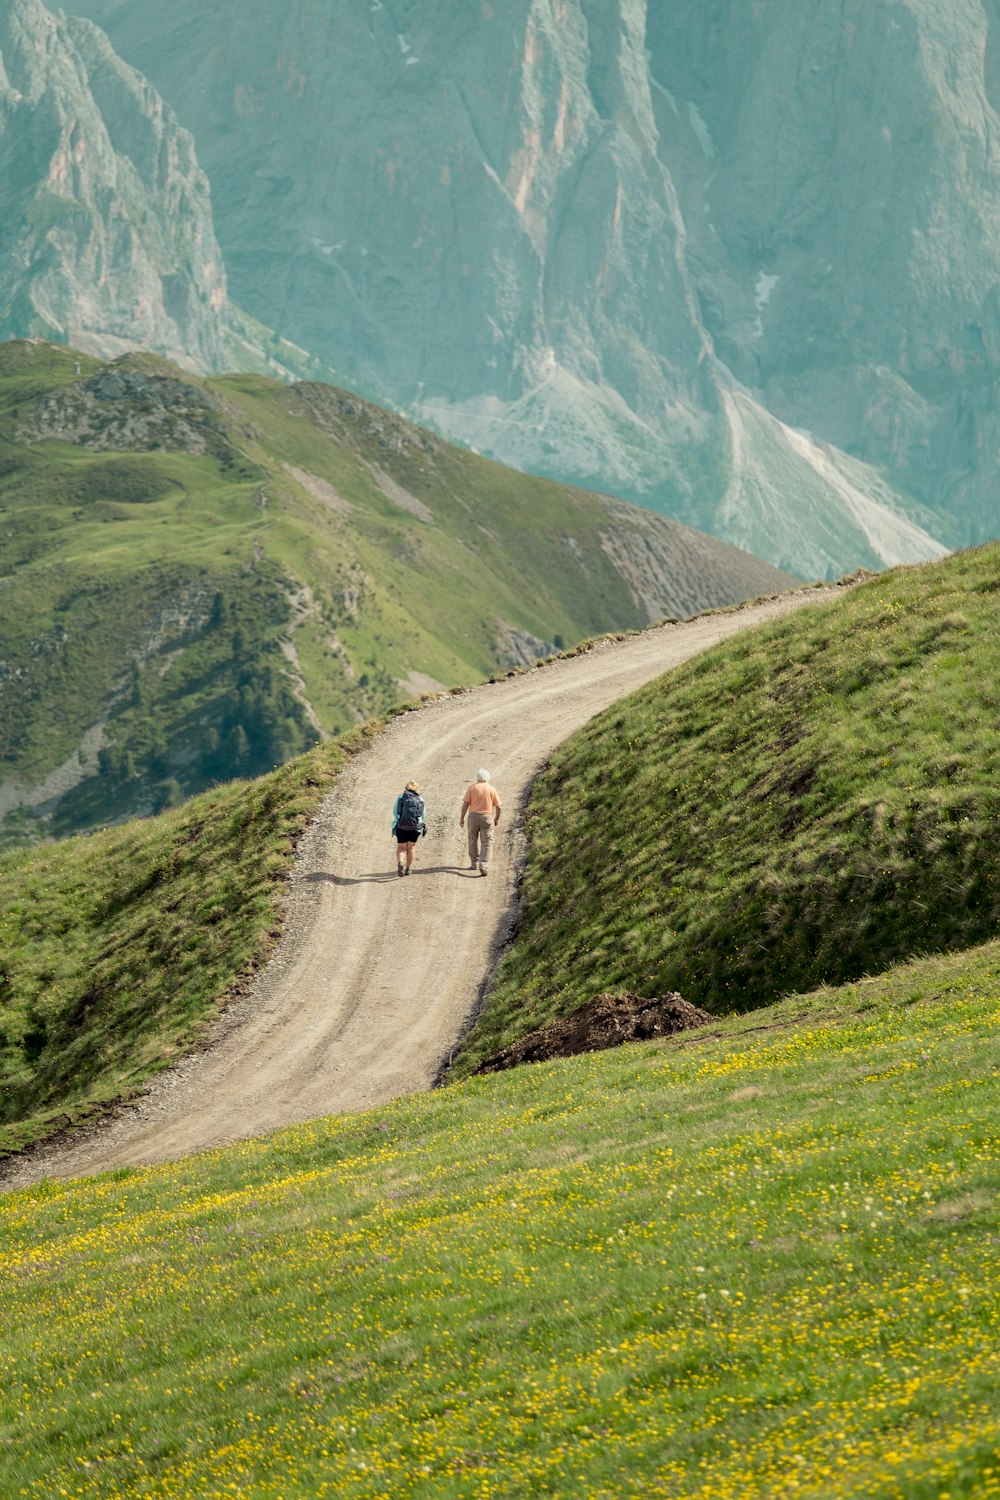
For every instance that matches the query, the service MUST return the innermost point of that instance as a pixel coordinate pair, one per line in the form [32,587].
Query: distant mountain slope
[106,235]
[200,578]
[735,260]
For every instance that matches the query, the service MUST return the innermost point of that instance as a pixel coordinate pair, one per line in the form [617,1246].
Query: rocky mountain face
[737,259]
[106,236]
[846,223]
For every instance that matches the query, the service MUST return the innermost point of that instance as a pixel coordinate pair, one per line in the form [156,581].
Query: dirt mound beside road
[609,1020]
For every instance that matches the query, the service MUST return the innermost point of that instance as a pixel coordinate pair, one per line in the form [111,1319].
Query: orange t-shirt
[482,798]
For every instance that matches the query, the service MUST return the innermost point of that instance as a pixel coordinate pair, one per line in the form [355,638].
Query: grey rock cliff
[738,259]
[434,195]
[848,230]
[106,237]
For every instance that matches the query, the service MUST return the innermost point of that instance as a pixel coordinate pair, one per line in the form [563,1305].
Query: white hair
[482,775]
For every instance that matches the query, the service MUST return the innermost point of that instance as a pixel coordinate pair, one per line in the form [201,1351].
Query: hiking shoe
[407,870]
[483,870]
[400,869]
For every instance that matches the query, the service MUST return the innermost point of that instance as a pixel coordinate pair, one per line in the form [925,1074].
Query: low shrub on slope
[808,803]
[757,1264]
[115,948]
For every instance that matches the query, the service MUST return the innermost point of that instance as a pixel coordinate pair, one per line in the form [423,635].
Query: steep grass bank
[116,948]
[809,803]
[758,1263]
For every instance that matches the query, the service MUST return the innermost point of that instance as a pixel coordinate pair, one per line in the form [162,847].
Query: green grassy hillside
[756,1264]
[808,803]
[116,948]
[200,579]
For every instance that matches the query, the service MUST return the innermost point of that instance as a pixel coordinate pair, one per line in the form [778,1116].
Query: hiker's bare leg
[411,850]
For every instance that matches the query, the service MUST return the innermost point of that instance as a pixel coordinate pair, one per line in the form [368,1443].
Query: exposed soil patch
[320,489]
[400,496]
[609,1020]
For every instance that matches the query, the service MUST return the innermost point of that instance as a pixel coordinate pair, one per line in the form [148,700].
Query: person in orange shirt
[482,807]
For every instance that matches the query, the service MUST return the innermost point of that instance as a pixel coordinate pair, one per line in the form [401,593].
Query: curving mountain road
[376,978]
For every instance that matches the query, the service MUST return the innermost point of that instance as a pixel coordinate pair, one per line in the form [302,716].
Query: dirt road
[376,977]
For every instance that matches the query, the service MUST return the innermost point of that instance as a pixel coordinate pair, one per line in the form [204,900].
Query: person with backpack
[409,821]
[482,807]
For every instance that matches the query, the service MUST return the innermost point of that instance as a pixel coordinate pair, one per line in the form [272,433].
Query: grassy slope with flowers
[806,804]
[757,1263]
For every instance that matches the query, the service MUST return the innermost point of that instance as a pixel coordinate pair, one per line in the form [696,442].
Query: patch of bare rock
[122,407]
[609,1020]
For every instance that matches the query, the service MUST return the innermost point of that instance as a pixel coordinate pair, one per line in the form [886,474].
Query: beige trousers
[480,826]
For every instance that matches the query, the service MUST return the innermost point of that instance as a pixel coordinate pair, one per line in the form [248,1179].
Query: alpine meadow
[583,410]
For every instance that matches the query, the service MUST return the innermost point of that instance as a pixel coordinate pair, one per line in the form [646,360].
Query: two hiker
[481,805]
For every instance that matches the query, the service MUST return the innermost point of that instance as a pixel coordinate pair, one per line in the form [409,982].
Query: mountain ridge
[199,578]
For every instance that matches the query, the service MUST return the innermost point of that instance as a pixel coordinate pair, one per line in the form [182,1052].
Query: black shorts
[407,835]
